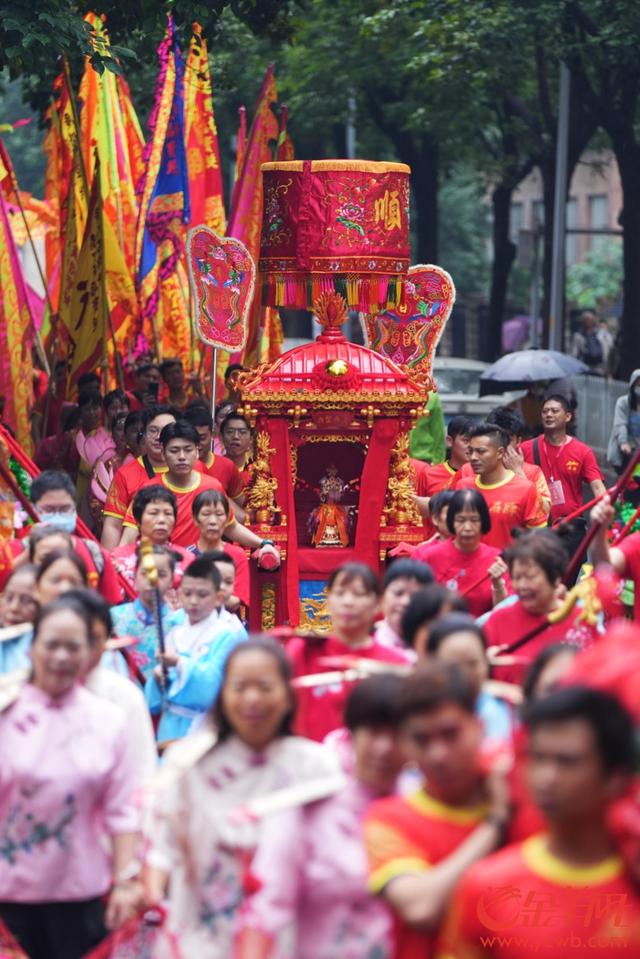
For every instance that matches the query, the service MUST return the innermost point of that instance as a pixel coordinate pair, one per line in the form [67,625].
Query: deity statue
[260,496]
[328,521]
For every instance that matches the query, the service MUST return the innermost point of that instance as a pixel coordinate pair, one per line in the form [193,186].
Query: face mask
[65,522]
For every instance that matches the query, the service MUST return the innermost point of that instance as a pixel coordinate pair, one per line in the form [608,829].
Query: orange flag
[201,137]
[245,219]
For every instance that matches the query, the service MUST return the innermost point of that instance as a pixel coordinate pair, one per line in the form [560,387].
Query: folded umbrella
[528,366]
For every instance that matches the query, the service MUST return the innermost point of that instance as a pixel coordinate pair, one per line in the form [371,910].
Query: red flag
[245,219]
[201,136]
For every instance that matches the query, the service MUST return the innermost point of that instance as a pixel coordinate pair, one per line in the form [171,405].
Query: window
[537,214]
[598,219]
[516,218]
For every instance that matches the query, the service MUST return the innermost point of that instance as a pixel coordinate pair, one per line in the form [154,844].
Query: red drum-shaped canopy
[335,226]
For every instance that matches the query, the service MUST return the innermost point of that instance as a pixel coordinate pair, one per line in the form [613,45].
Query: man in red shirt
[213,464]
[566,463]
[433,478]
[512,500]
[134,474]
[563,892]
[175,390]
[237,437]
[180,442]
[419,846]
[625,558]
[512,422]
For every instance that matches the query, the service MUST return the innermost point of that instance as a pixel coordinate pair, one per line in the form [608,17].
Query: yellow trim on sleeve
[404,866]
[538,858]
[107,512]
[538,526]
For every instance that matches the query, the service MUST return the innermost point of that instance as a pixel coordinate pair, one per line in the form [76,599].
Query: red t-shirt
[321,708]
[432,479]
[185,532]
[405,836]
[458,570]
[225,471]
[125,484]
[506,624]
[513,502]
[630,549]
[565,468]
[523,901]
[429,480]
[532,472]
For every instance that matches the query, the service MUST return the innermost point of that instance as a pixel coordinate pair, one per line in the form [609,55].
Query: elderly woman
[461,561]
[537,562]
[67,780]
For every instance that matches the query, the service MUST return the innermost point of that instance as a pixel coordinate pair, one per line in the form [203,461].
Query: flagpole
[214,380]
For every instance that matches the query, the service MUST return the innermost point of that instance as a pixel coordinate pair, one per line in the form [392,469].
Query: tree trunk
[422,153]
[425,194]
[548,172]
[628,156]
[504,252]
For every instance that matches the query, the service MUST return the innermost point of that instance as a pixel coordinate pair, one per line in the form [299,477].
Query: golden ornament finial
[337,368]
[330,310]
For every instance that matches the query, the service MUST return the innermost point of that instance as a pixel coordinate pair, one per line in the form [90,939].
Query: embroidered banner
[409,333]
[334,225]
[222,275]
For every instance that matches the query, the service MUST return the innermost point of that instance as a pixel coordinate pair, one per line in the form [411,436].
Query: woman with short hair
[461,561]
[537,562]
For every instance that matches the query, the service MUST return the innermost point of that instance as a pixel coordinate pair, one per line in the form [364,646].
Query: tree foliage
[465,91]
[33,38]
[596,282]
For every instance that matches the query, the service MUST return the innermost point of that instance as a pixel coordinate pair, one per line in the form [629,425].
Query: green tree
[464,232]
[33,38]
[596,282]
[24,144]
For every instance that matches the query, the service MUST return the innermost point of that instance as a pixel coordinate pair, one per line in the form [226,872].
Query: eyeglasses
[154,430]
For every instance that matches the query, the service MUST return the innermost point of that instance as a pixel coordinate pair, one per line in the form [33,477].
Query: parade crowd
[450,772]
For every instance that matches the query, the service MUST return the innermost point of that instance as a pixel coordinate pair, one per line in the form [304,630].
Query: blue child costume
[194,683]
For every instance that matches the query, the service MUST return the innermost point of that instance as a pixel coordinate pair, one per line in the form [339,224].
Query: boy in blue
[196,652]
[136,619]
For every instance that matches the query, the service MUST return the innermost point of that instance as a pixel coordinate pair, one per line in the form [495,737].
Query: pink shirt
[67,778]
[312,870]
